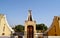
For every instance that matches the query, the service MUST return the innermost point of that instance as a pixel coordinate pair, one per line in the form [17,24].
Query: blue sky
[43,11]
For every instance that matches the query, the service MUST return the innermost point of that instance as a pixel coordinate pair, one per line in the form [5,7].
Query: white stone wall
[4,26]
[51,36]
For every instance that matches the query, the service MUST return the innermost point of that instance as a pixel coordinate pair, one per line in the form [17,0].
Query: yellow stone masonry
[5,29]
[54,30]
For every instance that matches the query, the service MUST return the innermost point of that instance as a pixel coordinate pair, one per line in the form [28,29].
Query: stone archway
[30,31]
[30,26]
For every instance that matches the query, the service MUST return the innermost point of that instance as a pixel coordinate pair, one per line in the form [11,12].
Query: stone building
[54,29]
[5,29]
[30,27]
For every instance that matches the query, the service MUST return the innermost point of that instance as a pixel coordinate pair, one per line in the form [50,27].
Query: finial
[29,16]
[29,12]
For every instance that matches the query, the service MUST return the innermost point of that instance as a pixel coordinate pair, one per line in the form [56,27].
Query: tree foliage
[19,28]
[41,27]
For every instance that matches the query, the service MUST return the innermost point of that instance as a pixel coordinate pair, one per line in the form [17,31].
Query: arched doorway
[30,31]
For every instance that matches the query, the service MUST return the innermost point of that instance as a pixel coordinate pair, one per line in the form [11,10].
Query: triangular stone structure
[5,29]
[54,29]
[30,27]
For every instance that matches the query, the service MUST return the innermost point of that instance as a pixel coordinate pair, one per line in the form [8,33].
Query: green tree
[19,28]
[41,27]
